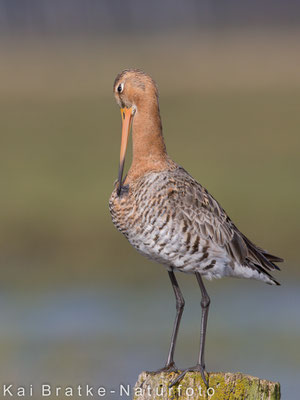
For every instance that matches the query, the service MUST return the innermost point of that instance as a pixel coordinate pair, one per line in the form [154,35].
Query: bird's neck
[149,150]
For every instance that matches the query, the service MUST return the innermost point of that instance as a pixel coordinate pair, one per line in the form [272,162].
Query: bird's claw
[197,368]
[167,368]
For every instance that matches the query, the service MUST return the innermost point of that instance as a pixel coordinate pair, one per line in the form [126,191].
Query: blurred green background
[78,304]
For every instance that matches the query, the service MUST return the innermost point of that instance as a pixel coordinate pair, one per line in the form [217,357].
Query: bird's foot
[197,368]
[171,367]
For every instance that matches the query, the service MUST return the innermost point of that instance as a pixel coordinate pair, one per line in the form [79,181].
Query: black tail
[261,259]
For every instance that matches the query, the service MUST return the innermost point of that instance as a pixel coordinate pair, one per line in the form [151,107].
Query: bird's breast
[151,216]
[122,208]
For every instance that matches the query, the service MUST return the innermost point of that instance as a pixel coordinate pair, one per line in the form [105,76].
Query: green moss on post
[222,386]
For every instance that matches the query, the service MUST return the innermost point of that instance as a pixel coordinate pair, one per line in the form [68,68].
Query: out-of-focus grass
[232,121]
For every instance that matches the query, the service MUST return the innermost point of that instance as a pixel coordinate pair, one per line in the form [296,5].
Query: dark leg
[205,302]
[179,310]
[170,365]
[200,367]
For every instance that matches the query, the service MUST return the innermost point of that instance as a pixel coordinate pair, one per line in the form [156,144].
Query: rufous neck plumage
[149,150]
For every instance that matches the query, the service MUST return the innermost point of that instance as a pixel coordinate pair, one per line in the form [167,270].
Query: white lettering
[161,393]
[57,390]
[125,390]
[69,391]
[101,391]
[200,391]
[149,390]
[6,390]
[89,391]
[21,391]
[46,390]
[179,390]
[138,391]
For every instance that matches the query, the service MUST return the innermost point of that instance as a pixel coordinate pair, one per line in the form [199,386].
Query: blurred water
[106,336]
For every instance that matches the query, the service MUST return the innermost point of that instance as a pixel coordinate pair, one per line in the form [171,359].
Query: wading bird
[168,216]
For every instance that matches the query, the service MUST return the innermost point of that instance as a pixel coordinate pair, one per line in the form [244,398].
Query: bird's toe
[196,368]
[171,367]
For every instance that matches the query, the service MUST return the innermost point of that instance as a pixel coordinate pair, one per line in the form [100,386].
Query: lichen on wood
[221,386]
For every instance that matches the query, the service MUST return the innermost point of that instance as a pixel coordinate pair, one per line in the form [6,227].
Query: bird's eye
[120,88]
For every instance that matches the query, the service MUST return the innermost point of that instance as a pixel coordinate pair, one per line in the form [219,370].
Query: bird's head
[133,88]
[134,91]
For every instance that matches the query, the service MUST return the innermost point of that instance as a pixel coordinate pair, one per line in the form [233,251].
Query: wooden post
[222,386]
